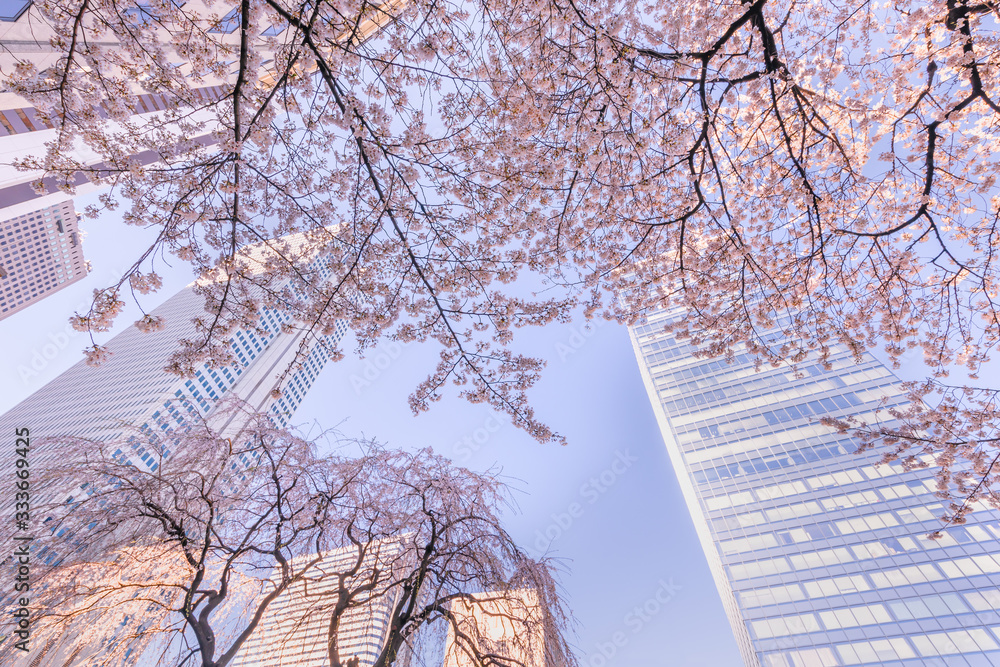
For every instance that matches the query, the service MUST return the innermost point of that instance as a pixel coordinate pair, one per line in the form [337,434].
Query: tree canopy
[795,175]
[185,563]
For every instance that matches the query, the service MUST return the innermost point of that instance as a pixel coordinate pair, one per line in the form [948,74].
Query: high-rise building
[40,253]
[821,557]
[132,388]
[505,623]
[294,629]
[27,37]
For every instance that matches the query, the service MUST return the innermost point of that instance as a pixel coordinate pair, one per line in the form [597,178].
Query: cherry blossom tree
[430,548]
[178,556]
[794,175]
[182,562]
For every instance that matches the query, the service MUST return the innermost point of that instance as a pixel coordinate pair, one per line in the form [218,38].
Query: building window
[229,22]
[274,30]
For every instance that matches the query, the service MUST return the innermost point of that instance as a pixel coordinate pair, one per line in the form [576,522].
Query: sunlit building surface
[40,254]
[500,623]
[27,37]
[294,631]
[821,557]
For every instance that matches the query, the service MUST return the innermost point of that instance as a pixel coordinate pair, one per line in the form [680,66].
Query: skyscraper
[132,387]
[40,253]
[508,623]
[27,37]
[820,556]
[293,631]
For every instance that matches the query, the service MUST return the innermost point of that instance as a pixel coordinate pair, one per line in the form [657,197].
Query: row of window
[284,407]
[928,606]
[755,419]
[856,583]
[834,480]
[880,651]
[760,421]
[782,390]
[800,452]
[716,373]
[829,529]
[807,590]
[953,569]
[757,391]
[761,438]
[834,619]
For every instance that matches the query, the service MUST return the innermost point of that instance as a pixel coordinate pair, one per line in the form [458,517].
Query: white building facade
[820,556]
[40,254]
[294,631]
[132,388]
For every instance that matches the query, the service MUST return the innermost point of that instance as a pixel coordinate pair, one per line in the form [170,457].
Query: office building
[294,629]
[508,623]
[132,387]
[821,557]
[40,253]
[26,37]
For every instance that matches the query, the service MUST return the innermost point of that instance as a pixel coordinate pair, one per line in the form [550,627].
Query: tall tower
[132,388]
[40,253]
[820,556]
[293,631]
[507,623]
[26,37]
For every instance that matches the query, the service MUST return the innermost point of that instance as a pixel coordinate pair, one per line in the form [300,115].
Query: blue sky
[607,504]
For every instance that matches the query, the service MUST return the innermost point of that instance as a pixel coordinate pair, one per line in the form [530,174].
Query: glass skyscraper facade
[821,557]
[40,254]
[132,388]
